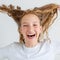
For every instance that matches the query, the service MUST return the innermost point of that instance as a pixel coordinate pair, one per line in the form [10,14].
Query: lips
[31,36]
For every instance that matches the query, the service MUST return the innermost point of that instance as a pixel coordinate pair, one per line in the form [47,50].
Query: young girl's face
[30,28]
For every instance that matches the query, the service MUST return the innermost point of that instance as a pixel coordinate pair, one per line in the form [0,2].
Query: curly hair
[45,13]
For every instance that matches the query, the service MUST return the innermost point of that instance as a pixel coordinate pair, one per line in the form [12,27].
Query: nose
[30,29]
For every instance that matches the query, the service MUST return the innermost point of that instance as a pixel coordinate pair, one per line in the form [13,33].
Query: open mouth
[31,36]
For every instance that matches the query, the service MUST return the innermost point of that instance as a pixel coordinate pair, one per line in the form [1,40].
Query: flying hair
[47,13]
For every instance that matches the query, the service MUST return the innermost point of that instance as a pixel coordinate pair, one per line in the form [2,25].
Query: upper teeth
[32,34]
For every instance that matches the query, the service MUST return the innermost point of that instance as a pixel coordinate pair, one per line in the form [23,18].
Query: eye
[25,25]
[34,24]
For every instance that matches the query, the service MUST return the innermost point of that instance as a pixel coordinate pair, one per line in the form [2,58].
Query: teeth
[31,35]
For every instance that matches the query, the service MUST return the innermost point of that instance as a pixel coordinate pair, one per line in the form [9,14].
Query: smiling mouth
[31,36]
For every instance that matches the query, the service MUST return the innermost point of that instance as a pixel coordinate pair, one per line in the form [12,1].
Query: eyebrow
[24,22]
[28,23]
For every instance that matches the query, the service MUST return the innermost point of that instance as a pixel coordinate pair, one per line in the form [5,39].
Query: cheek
[39,30]
[22,30]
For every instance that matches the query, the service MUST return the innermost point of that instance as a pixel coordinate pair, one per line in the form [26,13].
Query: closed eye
[35,25]
[25,25]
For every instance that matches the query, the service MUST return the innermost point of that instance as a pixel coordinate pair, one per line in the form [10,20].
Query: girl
[32,25]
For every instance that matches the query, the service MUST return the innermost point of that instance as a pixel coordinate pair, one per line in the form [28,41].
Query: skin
[59,7]
[30,25]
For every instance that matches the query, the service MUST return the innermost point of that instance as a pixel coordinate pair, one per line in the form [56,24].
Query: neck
[31,44]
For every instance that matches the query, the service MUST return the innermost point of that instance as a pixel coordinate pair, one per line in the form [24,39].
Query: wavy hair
[45,13]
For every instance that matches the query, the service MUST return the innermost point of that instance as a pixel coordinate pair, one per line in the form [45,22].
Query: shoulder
[12,46]
[10,49]
[56,46]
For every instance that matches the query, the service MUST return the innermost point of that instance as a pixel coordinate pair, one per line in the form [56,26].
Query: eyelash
[27,25]
[35,25]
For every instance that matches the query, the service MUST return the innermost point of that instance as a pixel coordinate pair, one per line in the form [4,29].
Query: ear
[20,30]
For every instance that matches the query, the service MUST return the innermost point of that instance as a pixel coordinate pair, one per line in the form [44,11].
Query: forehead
[30,18]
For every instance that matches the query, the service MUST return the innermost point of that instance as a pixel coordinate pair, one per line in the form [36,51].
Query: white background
[8,28]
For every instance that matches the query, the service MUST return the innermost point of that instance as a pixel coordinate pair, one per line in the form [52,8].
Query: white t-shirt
[42,51]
